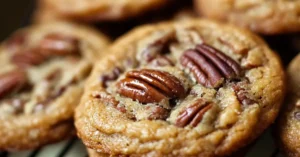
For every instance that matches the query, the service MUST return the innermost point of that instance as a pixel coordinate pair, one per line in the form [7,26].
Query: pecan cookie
[44,13]
[289,121]
[185,14]
[262,16]
[43,69]
[192,88]
[102,10]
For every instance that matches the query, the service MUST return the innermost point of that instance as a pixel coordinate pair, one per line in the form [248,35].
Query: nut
[29,57]
[109,100]
[113,75]
[209,66]
[12,82]
[193,115]
[55,44]
[242,94]
[150,86]
[51,45]
[157,47]
[158,113]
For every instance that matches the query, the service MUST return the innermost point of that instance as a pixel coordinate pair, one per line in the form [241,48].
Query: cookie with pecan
[101,10]
[192,88]
[262,16]
[289,120]
[43,69]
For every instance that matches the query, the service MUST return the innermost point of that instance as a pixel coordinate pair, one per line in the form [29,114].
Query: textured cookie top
[192,88]
[42,71]
[99,10]
[289,121]
[263,16]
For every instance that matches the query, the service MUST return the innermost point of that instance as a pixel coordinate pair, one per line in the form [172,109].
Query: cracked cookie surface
[43,68]
[289,120]
[262,16]
[197,88]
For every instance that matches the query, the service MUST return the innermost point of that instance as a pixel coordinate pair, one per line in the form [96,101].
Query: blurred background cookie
[43,69]
[261,16]
[101,10]
[288,125]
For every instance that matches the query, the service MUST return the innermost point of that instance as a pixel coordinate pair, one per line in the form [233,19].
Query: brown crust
[119,135]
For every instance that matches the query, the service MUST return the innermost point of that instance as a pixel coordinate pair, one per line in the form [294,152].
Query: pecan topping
[150,86]
[28,57]
[58,44]
[113,75]
[51,45]
[110,100]
[193,115]
[242,94]
[158,113]
[11,82]
[210,66]
[158,46]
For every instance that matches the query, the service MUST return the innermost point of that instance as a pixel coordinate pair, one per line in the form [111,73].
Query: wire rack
[69,148]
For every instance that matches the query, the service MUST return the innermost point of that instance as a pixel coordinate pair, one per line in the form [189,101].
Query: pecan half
[242,94]
[55,44]
[51,45]
[209,66]
[113,75]
[157,47]
[158,113]
[29,57]
[193,115]
[11,82]
[150,86]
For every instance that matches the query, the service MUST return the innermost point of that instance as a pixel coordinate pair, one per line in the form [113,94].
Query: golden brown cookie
[185,14]
[43,69]
[102,10]
[289,121]
[192,88]
[262,16]
[44,13]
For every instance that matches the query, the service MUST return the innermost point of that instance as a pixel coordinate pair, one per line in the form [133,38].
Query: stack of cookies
[153,77]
